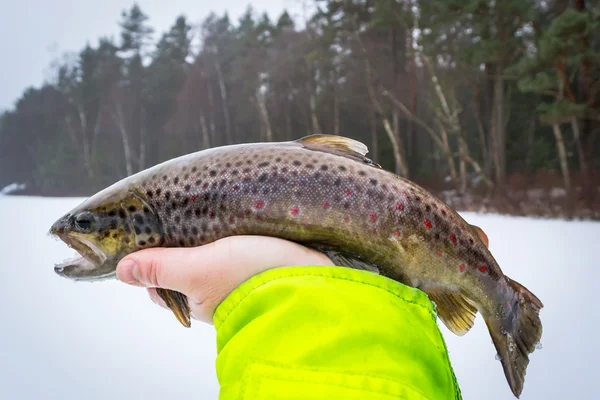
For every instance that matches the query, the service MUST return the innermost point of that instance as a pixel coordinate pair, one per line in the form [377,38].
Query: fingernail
[128,272]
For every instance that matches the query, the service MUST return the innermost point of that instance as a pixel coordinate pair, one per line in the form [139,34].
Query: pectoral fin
[177,302]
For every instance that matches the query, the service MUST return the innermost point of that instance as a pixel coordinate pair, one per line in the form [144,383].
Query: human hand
[207,274]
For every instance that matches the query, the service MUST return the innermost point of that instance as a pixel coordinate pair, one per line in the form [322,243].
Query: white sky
[36,32]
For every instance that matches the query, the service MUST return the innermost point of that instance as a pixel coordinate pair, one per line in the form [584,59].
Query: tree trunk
[211,120]
[262,110]
[120,121]
[336,114]
[142,154]
[225,103]
[498,126]
[205,132]
[580,153]
[313,115]
[374,141]
[562,155]
[400,160]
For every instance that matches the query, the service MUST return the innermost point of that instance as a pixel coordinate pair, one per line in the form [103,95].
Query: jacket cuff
[321,332]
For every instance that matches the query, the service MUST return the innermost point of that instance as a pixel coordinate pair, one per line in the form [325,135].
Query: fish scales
[322,192]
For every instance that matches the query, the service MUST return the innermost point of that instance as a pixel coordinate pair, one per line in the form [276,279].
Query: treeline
[478,96]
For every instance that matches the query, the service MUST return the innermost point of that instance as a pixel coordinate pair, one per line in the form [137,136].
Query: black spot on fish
[158,191]
[142,243]
[227,165]
[138,218]
[146,210]
[122,214]
[194,230]
[112,213]
[185,202]
[263,164]
[342,168]
[206,196]
[362,173]
[115,235]
[184,231]
[148,230]
[428,208]
[188,214]
[246,170]
[194,169]
[197,212]
[296,163]
[131,208]
[186,177]
[151,239]
[177,195]
[337,182]
[164,178]
[278,159]
[436,236]
[284,170]
[417,198]
[198,182]
[181,243]
[212,172]
[309,166]
[176,180]
[112,224]
[205,185]
[126,240]
[324,167]
[346,205]
[249,162]
[263,177]
[137,230]
[174,205]
[223,182]
[373,182]
[204,210]
[187,187]
[167,195]
[234,172]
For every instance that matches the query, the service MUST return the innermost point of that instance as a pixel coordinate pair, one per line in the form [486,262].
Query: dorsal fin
[482,235]
[338,145]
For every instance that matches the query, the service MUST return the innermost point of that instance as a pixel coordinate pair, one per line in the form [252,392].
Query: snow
[65,340]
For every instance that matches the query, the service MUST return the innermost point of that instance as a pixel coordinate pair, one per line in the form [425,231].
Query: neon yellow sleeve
[330,333]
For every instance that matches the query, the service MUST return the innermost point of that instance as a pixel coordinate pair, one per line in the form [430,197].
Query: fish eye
[84,221]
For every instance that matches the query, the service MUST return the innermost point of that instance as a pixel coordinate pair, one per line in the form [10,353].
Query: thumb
[176,269]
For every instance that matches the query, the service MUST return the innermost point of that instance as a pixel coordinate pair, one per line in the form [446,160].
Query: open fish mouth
[88,265]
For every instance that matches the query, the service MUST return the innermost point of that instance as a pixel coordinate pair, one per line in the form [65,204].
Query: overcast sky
[36,32]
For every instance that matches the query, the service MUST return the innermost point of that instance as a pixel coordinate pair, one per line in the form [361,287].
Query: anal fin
[454,309]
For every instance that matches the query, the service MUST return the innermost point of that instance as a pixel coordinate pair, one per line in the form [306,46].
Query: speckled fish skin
[335,201]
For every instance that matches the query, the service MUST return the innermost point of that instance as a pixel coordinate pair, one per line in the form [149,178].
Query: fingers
[207,274]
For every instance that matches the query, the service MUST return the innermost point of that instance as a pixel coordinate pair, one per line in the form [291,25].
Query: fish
[321,191]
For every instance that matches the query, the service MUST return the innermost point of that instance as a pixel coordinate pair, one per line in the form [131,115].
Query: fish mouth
[90,264]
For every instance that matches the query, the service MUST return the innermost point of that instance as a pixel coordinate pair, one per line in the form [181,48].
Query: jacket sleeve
[330,333]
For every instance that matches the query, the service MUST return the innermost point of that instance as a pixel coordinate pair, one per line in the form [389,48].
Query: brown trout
[323,192]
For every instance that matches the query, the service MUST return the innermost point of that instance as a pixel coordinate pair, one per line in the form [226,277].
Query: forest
[492,105]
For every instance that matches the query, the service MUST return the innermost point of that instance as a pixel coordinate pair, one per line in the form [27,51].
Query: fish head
[104,229]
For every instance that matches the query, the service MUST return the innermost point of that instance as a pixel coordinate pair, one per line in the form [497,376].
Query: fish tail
[516,336]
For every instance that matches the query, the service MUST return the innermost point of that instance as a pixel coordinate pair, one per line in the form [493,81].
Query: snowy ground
[66,340]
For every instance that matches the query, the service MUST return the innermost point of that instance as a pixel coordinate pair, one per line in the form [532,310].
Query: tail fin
[516,336]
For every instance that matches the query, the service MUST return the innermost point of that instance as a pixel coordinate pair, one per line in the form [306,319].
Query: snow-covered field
[107,340]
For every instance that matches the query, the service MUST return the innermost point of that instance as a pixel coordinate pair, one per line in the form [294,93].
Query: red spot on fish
[193,197]
[211,214]
[346,219]
[248,211]
[428,223]
[236,187]
[462,267]
[294,210]
[348,192]
[373,217]
[325,205]
[400,205]
[259,204]
[452,237]
[231,220]
[438,253]
[482,268]
[397,232]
